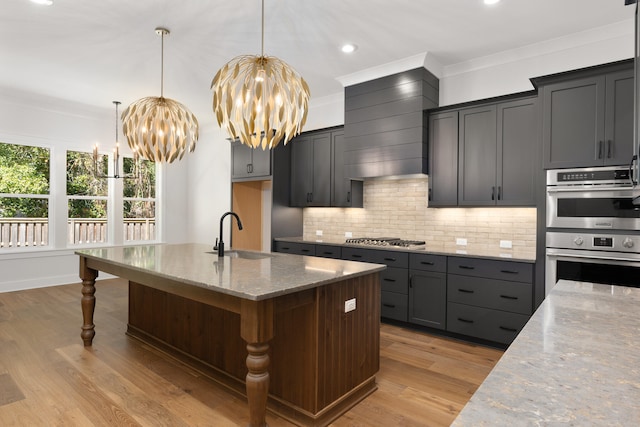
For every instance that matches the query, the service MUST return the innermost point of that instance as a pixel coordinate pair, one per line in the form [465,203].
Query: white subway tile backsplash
[398,208]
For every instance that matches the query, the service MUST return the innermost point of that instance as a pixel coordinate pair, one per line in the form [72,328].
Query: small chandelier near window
[260,100]
[160,129]
[116,159]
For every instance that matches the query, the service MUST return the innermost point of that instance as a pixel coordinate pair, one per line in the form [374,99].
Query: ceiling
[96,51]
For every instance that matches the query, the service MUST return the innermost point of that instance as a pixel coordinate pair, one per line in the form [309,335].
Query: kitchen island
[576,362]
[274,327]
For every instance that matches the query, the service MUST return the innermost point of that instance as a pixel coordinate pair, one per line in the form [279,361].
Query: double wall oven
[593,227]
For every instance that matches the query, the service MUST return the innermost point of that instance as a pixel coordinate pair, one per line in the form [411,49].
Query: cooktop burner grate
[385,241]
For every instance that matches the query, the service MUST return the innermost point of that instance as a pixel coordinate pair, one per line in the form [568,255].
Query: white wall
[60,125]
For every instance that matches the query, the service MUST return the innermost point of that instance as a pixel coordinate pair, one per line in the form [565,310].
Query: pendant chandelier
[260,100]
[160,129]
[99,173]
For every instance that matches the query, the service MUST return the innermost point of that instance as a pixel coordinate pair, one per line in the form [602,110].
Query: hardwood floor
[47,378]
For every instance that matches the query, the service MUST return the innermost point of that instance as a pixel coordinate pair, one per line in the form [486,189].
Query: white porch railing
[27,232]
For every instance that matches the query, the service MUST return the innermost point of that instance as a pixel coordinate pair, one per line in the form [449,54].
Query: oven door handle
[586,189]
[599,256]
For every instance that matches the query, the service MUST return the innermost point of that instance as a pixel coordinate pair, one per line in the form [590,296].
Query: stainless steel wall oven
[593,228]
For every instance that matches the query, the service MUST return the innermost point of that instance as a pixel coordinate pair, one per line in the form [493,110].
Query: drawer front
[295,248]
[427,262]
[490,293]
[484,323]
[393,306]
[357,254]
[395,280]
[327,251]
[493,269]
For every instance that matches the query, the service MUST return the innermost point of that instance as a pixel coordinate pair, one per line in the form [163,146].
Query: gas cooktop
[385,241]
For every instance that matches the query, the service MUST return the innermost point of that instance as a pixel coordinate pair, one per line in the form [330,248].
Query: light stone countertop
[576,362]
[246,274]
[436,248]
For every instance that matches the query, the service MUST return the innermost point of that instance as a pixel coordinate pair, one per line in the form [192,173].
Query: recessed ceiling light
[43,2]
[348,48]
[491,1]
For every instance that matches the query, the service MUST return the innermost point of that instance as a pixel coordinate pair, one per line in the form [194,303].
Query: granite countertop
[437,248]
[576,362]
[246,274]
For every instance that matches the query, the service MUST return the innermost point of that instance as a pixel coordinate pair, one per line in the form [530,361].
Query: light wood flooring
[47,378]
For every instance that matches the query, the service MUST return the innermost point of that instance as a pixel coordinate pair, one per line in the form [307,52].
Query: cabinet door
[573,123]
[443,159]
[428,298]
[240,160]
[321,172]
[301,170]
[345,192]
[619,118]
[260,162]
[517,152]
[477,156]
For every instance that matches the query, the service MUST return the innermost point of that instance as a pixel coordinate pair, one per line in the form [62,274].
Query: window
[139,200]
[86,200]
[24,196]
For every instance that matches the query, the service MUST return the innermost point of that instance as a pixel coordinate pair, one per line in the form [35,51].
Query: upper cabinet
[249,163]
[443,159]
[588,118]
[385,126]
[317,171]
[484,155]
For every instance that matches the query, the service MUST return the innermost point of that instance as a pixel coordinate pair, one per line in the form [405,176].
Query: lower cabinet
[428,290]
[488,299]
[481,298]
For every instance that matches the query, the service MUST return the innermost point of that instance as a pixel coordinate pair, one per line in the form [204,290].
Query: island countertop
[245,274]
[576,362]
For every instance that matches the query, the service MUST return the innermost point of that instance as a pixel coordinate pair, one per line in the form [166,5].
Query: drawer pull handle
[389,280]
[286,248]
[466,291]
[390,259]
[427,263]
[508,272]
[465,320]
[356,256]
[389,305]
[466,267]
[508,297]
[504,328]
[304,250]
[327,253]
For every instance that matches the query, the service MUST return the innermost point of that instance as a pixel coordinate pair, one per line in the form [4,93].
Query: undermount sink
[244,254]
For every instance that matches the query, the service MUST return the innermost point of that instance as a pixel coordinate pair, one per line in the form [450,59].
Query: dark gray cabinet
[311,170]
[497,154]
[296,248]
[317,171]
[428,290]
[443,159]
[345,192]
[488,299]
[588,121]
[394,280]
[249,163]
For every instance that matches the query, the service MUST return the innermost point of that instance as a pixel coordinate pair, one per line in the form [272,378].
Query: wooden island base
[322,361]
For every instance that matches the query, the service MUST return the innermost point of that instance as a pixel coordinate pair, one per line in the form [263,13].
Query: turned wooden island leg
[88,301]
[256,328]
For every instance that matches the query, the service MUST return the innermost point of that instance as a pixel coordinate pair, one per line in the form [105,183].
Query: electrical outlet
[348,234]
[349,305]
[318,232]
[506,244]
[461,242]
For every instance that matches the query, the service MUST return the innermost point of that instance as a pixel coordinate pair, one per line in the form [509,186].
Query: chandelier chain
[262,45]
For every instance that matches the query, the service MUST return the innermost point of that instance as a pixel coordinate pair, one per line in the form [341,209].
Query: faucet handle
[215,248]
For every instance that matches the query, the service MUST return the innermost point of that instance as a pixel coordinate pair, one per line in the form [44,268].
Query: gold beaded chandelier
[260,100]
[158,128]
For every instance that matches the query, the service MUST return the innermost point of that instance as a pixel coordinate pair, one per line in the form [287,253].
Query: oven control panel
[599,242]
[607,175]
